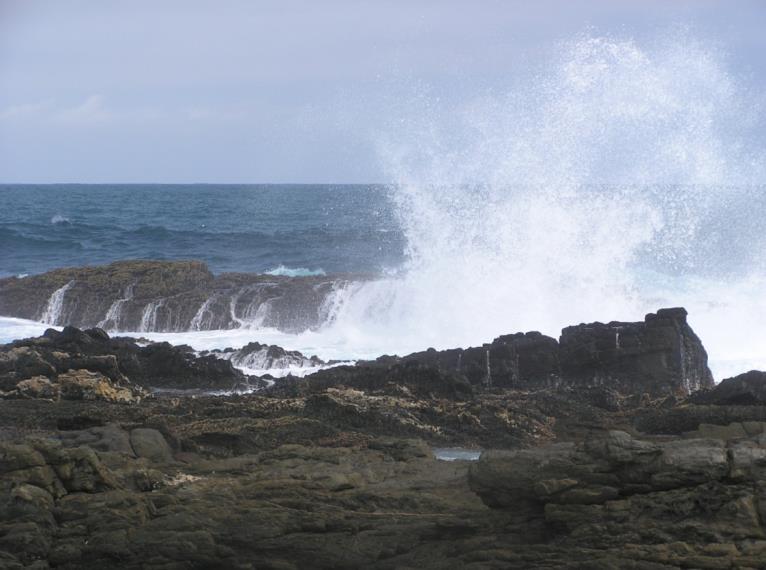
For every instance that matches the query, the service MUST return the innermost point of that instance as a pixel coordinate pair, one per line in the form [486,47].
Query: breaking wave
[618,178]
[282,270]
[622,178]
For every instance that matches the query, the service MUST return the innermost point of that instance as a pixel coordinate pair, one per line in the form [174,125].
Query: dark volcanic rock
[610,365]
[121,360]
[417,378]
[661,356]
[261,356]
[747,389]
[520,360]
[166,296]
[692,493]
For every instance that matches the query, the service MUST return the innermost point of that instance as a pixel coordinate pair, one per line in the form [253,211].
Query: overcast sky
[282,91]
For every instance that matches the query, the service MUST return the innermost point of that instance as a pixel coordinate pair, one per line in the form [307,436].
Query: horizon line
[198,183]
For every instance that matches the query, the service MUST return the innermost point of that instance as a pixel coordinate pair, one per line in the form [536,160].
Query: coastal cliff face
[165,296]
[596,456]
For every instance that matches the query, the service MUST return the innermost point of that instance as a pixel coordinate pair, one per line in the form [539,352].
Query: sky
[235,91]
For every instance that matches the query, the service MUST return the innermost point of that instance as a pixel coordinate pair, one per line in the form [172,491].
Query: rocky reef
[661,356]
[166,296]
[610,447]
[120,361]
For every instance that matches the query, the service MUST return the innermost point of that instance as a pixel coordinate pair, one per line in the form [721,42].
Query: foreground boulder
[145,497]
[690,503]
[76,385]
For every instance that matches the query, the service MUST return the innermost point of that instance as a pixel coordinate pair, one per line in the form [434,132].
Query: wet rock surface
[259,356]
[167,296]
[336,470]
[659,357]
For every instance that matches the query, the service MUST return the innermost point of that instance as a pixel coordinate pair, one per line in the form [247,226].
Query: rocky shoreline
[610,447]
[170,296]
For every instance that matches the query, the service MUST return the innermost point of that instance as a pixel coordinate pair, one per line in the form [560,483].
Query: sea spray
[202,316]
[111,320]
[54,309]
[591,191]
[621,178]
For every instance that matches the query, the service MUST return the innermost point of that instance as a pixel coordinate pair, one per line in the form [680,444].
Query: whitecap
[283,270]
[59,220]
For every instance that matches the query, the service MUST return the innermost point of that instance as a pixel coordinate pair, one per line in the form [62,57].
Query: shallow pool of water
[457,454]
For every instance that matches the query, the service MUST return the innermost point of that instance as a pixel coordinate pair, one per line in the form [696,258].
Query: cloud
[24,111]
[90,112]
[93,111]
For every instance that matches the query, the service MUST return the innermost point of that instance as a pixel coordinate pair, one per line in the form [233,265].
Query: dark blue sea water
[249,228]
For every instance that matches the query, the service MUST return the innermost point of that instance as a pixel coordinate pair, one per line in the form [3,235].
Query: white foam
[111,320]
[54,309]
[58,219]
[14,329]
[149,316]
[611,184]
[199,318]
[510,226]
[294,271]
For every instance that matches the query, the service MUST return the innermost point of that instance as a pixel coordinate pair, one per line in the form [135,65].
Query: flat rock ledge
[116,496]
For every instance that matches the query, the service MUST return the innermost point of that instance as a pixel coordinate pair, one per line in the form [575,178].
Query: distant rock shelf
[170,296]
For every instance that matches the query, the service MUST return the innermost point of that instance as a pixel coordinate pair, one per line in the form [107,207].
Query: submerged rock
[259,356]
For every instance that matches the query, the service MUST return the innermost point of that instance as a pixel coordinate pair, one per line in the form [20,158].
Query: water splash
[203,317]
[283,270]
[111,320]
[595,189]
[59,220]
[149,318]
[54,309]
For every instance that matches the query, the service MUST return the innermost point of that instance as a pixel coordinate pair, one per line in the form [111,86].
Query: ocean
[248,228]
[454,275]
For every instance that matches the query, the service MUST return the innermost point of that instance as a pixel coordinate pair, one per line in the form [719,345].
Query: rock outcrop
[661,356]
[76,385]
[520,360]
[689,503]
[143,296]
[611,365]
[85,362]
[259,356]
[748,389]
[596,458]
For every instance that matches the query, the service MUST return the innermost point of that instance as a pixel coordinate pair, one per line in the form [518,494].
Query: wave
[609,184]
[35,248]
[620,178]
[60,220]
[294,271]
